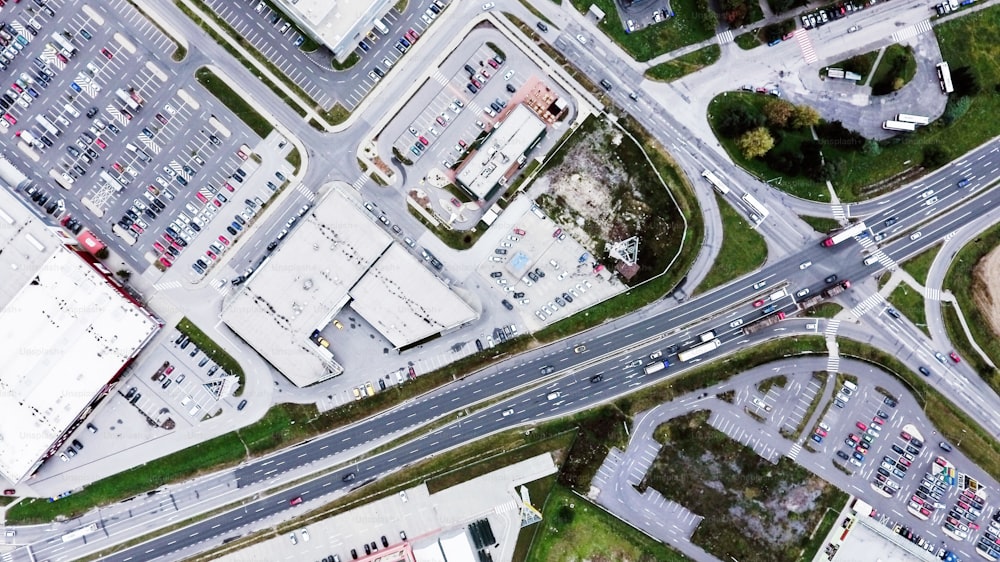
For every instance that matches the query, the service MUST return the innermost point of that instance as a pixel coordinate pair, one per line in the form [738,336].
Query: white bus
[47,125]
[715,181]
[944,77]
[898,126]
[79,533]
[915,119]
[64,43]
[756,206]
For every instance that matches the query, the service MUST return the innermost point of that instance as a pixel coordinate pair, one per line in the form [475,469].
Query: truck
[849,232]
[836,289]
[768,320]
[28,138]
[44,122]
[126,99]
[64,43]
[707,336]
[698,350]
[135,96]
[656,366]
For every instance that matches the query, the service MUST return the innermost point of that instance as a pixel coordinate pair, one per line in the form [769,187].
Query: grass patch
[348,63]
[786,141]
[747,41]
[821,224]
[813,404]
[688,27]
[574,529]
[377,179]
[824,310]
[965,282]
[819,534]
[767,384]
[743,249]
[535,12]
[951,422]
[919,265]
[895,70]
[457,239]
[738,504]
[910,303]
[685,64]
[295,159]
[239,106]
[221,357]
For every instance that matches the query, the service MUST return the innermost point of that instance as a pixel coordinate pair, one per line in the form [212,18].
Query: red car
[557,232]
[904,436]
[9,492]
[217,203]
[821,432]
[759,303]
[224,240]
[413,372]
[461,143]
[424,141]
[904,461]
[241,154]
[412,35]
[877,421]
[168,238]
[107,53]
[161,118]
[853,437]
[10,118]
[166,262]
[519,232]
[100,143]
[62,58]
[954,357]
[201,197]
[17,88]
[296,500]
[230,187]
[861,426]
[493,63]
[168,370]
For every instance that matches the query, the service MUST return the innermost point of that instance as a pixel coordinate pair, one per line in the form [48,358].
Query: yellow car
[369,389]
[338,324]
[357,394]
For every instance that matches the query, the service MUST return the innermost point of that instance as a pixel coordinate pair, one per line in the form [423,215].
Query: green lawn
[910,303]
[535,12]
[743,249]
[684,29]
[962,280]
[234,102]
[919,265]
[225,361]
[821,224]
[574,530]
[896,63]
[748,40]
[739,492]
[685,64]
[824,310]
[790,140]
[861,64]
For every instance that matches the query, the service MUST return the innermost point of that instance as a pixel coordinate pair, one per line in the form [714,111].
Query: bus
[915,119]
[79,533]
[66,44]
[112,182]
[944,77]
[698,351]
[715,181]
[756,206]
[898,126]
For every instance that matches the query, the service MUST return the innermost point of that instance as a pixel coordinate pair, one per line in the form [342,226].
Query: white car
[507,412]
[805,264]
[488,6]
[581,39]
[915,235]
[305,535]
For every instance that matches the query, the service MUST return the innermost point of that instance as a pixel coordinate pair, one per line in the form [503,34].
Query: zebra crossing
[360,182]
[301,188]
[155,149]
[805,44]
[725,37]
[221,286]
[831,328]
[167,285]
[439,77]
[911,31]
[932,294]
[838,213]
[506,507]
[833,361]
[794,451]
[869,303]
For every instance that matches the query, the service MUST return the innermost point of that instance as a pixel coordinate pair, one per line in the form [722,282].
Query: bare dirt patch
[985,288]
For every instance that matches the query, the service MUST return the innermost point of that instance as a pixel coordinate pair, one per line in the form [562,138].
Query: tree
[102,254]
[778,112]
[834,132]
[935,156]
[124,274]
[872,147]
[897,83]
[812,160]
[965,81]
[805,116]
[755,143]
[956,109]
[738,120]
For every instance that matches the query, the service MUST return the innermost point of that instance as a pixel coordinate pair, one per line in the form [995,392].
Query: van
[850,386]
[131,147]
[870,260]
[537,211]
[606,84]
[552,396]
[71,110]
[380,25]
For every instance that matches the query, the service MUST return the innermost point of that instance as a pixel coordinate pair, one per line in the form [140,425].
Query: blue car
[963,182]
[75,86]
[817,438]
[859,456]
[237,226]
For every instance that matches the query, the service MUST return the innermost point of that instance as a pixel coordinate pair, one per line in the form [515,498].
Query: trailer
[64,43]
[28,138]
[44,122]
[698,351]
[707,336]
[849,232]
[126,99]
[768,320]
[836,289]
[656,367]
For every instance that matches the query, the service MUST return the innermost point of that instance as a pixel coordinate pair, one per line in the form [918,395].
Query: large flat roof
[338,24]
[421,304]
[338,254]
[66,333]
[499,153]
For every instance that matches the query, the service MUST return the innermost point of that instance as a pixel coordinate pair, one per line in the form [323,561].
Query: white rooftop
[339,24]
[66,334]
[499,153]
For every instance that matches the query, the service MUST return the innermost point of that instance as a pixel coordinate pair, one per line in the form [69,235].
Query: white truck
[28,138]
[44,122]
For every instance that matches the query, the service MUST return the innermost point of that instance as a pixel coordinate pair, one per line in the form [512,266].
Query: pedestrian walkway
[725,37]
[805,44]
[308,193]
[933,294]
[167,285]
[838,213]
[869,303]
[911,31]
[360,182]
[794,451]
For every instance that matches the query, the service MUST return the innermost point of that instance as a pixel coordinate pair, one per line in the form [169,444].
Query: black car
[78,445]
[944,446]
[542,27]
[496,274]
[349,476]
[354,554]
[479,345]
[385,541]
[242,404]
[368,549]
[539,272]
[597,378]
[830,279]
[567,297]
[843,455]
[506,304]
[92,112]
[231,230]
[519,295]
[924,371]
[889,401]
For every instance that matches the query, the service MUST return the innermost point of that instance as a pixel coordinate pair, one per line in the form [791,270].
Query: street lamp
[959,444]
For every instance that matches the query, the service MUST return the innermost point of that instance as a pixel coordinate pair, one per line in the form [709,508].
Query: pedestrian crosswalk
[166,285]
[301,188]
[506,507]
[439,77]
[794,451]
[831,328]
[360,182]
[838,212]
[869,303]
[725,37]
[911,31]
[805,44]
[932,294]
[833,362]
